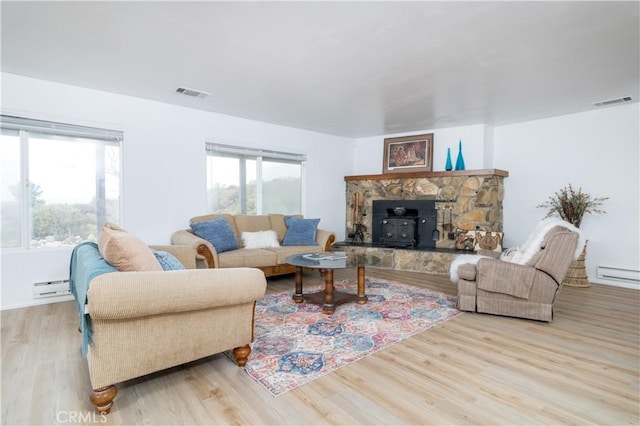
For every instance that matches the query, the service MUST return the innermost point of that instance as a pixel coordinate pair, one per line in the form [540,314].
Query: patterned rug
[296,343]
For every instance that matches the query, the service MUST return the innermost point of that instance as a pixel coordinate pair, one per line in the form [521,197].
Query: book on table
[325,256]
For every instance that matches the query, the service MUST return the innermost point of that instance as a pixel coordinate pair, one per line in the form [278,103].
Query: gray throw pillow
[218,232]
[300,232]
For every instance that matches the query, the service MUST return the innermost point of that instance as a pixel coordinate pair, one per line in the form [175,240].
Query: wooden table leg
[329,298]
[329,305]
[362,299]
[297,297]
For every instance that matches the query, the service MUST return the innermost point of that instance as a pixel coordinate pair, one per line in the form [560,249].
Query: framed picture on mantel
[408,154]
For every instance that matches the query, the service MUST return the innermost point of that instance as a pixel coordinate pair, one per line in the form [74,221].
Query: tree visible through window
[60,183]
[246,181]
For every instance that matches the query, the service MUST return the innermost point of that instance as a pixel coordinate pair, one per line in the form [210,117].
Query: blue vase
[460,160]
[448,167]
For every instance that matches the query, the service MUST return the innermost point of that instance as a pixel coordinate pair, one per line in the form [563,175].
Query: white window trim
[24,125]
[214,147]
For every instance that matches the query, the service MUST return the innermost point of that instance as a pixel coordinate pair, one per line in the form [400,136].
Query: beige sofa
[270,260]
[143,322]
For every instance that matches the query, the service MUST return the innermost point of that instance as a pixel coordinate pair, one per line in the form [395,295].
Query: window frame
[258,154]
[26,126]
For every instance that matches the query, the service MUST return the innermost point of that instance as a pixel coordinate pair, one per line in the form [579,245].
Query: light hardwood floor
[474,369]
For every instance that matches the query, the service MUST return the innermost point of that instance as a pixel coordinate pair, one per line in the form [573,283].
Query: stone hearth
[468,200]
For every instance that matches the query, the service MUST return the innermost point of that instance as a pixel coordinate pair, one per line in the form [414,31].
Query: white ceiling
[354,69]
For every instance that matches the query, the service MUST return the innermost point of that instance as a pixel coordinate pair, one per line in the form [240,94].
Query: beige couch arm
[325,239]
[121,295]
[203,248]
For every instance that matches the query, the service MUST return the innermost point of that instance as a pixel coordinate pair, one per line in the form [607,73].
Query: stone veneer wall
[474,198]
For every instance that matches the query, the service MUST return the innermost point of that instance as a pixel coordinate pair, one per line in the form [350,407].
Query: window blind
[216,148]
[59,129]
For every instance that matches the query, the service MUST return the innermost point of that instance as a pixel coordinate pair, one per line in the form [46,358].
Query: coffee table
[329,298]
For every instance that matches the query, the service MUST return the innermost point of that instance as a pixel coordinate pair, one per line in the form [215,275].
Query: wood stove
[404,223]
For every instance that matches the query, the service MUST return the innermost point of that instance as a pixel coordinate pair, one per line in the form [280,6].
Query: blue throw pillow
[218,232]
[168,261]
[300,232]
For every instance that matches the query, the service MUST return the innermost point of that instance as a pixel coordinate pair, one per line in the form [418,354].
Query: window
[59,183]
[247,181]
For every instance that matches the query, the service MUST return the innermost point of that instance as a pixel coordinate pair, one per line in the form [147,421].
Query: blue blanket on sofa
[86,264]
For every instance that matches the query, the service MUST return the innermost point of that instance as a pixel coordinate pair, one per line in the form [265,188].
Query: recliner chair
[526,290]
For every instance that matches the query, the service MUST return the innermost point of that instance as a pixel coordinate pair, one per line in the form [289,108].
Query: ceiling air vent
[613,101]
[192,92]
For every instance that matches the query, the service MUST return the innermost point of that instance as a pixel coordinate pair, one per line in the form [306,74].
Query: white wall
[163,166]
[596,150]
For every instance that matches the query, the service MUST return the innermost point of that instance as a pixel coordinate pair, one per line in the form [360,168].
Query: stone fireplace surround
[468,199]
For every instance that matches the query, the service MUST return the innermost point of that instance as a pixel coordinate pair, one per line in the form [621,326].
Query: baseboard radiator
[619,274]
[51,289]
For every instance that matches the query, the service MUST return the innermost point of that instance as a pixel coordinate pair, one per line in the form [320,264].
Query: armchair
[525,285]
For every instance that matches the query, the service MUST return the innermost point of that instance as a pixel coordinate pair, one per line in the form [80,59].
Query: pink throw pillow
[125,251]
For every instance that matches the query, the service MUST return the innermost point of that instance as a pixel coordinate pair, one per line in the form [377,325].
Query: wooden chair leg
[102,398]
[242,354]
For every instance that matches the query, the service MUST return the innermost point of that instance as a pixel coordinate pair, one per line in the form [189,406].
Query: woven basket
[577,273]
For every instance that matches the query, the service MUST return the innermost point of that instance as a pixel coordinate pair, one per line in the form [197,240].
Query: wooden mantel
[418,175]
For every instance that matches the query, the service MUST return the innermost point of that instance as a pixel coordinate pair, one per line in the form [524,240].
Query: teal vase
[460,160]
[449,166]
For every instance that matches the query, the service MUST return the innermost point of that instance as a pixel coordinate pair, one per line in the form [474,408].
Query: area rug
[296,343]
